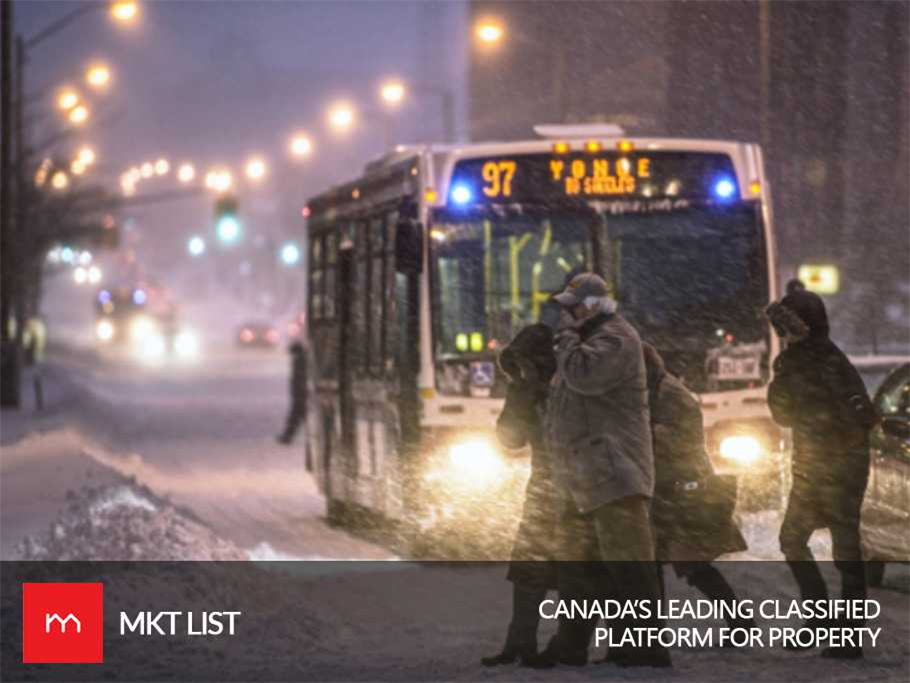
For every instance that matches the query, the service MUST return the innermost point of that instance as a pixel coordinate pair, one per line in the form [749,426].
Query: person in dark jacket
[682,472]
[297,412]
[818,394]
[529,363]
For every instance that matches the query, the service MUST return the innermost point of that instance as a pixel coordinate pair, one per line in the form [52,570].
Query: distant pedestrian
[529,363]
[817,393]
[297,413]
[795,285]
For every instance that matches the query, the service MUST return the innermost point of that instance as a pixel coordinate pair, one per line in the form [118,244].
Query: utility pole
[9,366]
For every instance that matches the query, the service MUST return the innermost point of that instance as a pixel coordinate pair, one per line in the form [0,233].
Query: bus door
[346,363]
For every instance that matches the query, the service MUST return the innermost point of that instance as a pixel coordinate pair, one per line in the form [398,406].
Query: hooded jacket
[598,428]
[818,393]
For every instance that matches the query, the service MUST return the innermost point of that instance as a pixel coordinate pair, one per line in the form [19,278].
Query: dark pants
[705,577]
[626,570]
[834,505]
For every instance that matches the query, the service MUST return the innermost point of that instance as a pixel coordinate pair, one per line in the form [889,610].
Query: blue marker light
[139,297]
[724,188]
[104,296]
[461,194]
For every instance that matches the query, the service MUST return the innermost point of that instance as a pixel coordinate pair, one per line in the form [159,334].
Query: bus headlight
[744,450]
[186,344]
[141,328]
[476,461]
[104,330]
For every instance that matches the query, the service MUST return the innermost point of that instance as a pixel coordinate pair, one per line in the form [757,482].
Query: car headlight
[743,449]
[186,344]
[105,330]
[141,328]
[152,347]
[476,461]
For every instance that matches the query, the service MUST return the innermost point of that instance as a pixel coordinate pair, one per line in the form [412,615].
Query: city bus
[425,266]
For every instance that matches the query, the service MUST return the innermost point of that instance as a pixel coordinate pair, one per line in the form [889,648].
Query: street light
[219,180]
[256,169]
[77,167]
[341,116]
[98,76]
[79,114]
[228,229]
[67,99]
[60,181]
[392,93]
[290,254]
[125,11]
[489,31]
[86,155]
[147,170]
[301,146]
[186,173]
[196,246]
[162,167]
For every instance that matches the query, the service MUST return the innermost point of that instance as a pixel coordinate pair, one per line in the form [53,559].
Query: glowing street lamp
[162,167]
[79,114]
[98,76]
[256,169]
[186,173]
[60,181]
[301,145]
[489,31]
[341,117]
[86,155]
[77,167]
[67,99]
[147,170]
[196,246]
[125,11]
[290,254]
[219,180]
[392,93]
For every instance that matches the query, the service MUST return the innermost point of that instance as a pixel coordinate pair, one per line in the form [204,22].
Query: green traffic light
[228,229]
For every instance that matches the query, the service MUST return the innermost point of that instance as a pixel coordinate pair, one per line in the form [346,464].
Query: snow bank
[126,522]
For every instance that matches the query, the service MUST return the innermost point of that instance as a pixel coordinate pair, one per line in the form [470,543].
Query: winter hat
[810,308]
[581,287]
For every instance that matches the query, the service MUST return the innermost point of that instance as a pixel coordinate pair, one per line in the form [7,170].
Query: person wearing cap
[818,394]
[599,439]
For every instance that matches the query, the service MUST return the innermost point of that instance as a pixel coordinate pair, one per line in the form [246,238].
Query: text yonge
[179,623]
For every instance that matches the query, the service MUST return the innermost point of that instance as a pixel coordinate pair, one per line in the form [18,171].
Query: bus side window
[315,285]
[331,255]
[360,304]
[377,307]
[390,319]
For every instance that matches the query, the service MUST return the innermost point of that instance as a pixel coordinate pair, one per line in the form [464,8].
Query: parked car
[886,508]
[257,335]
[873,368]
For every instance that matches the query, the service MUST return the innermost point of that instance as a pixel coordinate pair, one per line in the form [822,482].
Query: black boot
[521,641]
[556,653]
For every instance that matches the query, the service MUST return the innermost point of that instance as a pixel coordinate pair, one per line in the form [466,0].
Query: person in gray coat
[599,437]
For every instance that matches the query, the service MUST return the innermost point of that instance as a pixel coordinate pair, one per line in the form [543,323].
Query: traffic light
[227,224]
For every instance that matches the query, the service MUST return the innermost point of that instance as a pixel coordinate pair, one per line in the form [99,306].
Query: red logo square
[62,623]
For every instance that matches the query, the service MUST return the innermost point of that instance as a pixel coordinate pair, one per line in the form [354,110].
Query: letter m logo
[51,618]
[62,623]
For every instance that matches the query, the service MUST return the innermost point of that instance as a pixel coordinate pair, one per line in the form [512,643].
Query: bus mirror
[408,246]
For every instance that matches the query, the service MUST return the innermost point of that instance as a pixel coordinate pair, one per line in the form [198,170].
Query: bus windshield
[690,280]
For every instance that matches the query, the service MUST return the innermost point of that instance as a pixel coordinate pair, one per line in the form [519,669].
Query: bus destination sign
[547,177]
